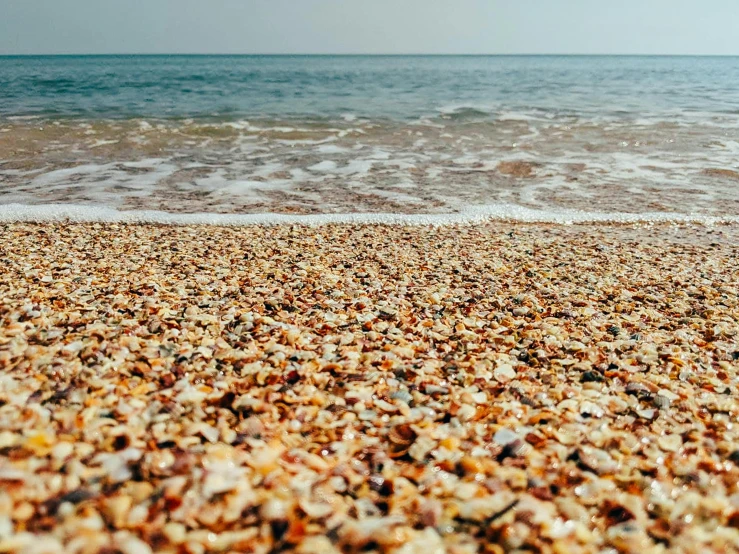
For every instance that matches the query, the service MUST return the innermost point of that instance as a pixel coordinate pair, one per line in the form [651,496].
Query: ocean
[527,137]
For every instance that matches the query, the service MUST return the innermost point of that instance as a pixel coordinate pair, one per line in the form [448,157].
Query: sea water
[526,137]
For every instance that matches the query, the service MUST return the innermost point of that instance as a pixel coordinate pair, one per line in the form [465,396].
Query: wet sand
[364,387]
[435,166]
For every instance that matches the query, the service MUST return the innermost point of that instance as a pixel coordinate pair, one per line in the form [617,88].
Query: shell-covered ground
[497,387]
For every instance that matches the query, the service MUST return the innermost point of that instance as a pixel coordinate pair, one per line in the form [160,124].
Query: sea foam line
[76,213]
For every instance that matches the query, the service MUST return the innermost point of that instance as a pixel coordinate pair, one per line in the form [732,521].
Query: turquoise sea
[391,134]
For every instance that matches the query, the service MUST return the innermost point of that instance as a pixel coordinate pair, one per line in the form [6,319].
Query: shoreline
[398,388]
[473,215]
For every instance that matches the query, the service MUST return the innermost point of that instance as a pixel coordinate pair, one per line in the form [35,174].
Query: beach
[498,386]
[395,304]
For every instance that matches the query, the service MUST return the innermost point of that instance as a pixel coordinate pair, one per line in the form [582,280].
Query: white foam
[425,122]
[379,154]
[356,167]
[352,167]
[99,143]
[331,149]
[76,213]
[22,117]
[659,169]
[452,109]
[519,116]
[303,142]
[326,165]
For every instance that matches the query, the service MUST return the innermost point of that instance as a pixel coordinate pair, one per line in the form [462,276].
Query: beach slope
[392,388]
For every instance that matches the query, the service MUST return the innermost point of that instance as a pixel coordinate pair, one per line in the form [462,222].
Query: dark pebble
[592,377]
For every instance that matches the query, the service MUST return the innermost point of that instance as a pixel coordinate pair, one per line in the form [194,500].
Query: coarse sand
[340,388]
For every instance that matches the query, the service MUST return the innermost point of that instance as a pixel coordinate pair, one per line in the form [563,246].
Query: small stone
[505,436]
[592,377]
[661,401]
[466,412]
[575,346]
[403,396]
[504,373]
[591,409]
[129,544]
[421,448]
[175,532]
[367,415]
[62,450]
[671,443]
[116,509]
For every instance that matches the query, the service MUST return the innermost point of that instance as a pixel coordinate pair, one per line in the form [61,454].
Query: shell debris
[549,388]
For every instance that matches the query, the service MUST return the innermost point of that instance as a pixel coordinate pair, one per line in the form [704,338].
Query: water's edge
[61,213]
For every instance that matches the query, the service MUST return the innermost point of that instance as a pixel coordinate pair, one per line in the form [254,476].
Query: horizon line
[362,54]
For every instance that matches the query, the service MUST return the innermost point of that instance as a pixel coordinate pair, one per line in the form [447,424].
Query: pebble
[504,373]
[505,436]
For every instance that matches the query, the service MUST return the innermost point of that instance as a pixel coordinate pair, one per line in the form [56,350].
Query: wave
[462,112]
[76,213]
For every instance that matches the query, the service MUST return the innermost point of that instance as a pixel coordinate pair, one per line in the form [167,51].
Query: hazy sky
[369,26]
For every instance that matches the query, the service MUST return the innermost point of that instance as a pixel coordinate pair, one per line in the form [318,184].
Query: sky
[370,26]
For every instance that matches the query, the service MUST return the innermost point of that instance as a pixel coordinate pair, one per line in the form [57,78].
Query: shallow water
[404,134]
